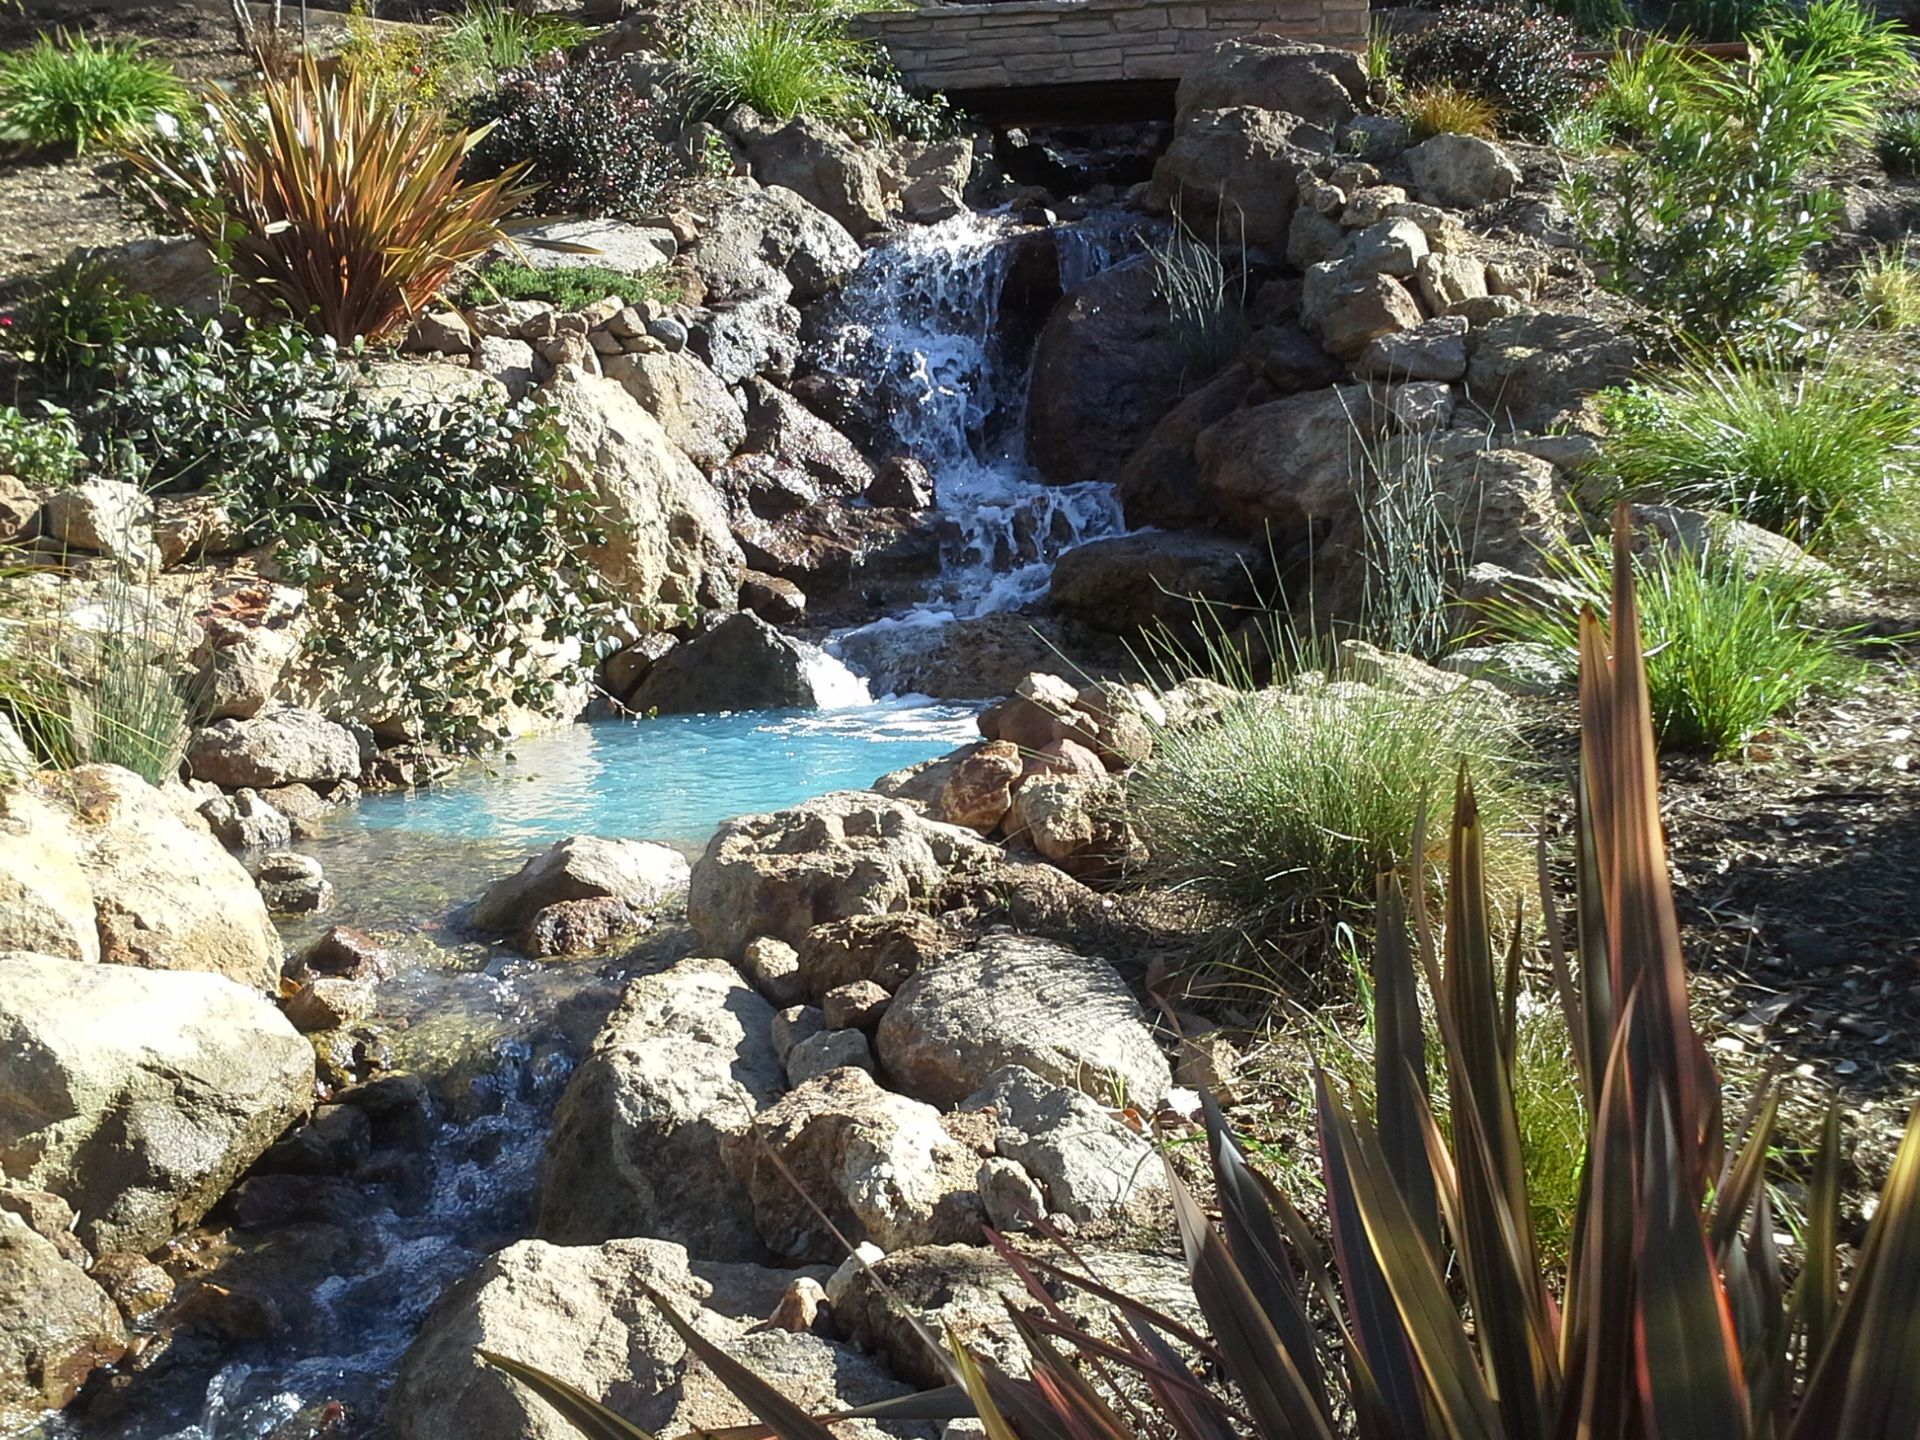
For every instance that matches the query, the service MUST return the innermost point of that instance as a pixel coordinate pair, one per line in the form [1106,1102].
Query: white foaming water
[920,323]
[835,687]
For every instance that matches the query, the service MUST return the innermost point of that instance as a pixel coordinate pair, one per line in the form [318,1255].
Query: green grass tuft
[1886,291]
[782,57]
[67,90]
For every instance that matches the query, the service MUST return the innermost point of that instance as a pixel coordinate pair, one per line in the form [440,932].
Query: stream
[493,1035]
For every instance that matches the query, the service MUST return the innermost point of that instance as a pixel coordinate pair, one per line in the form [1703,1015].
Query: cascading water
[921,325]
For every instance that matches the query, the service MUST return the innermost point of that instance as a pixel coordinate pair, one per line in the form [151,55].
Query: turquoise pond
[674,779]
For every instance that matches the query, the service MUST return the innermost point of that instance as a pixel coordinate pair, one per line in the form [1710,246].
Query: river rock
[743,663]
[669,543]
[763,238]
[292,883]
[824,167]
[838,855]
[1132,583]
[583,867]
[1317,82]
[1108,364]
[579,927]
[880,1165]
[1462,171]
[693,406]
[275,747]
[1089,1165]
[636,1148]
[583,1314]
[1529,370]
[56,1326]
[1014,1000]
[1236,171]
[138,1096]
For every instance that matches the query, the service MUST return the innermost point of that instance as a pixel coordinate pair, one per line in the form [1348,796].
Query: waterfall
[920,325]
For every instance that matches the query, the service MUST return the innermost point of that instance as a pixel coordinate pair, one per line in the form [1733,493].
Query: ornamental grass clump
[332,198]
[1434,1313]
[68,90]
[782,57]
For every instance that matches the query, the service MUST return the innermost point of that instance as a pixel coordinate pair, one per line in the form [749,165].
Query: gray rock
[1462,171]
[793,1026]
[1387,247]
[636,1148]
[1009,1196]
[756,334]
[1137,582]
[243,821]
[583,867]
[1449,281]
[103,517]
[827,1050]
[292,884]
[1319,83]
[440,332]
[1089,1164]
[824,167]
[1431,350]
[613,245]
[1530,369]
[274,747]
[669,332]
[1239,167]
[743,663]
[138,1096]
[1019,1001]
[1509,508]
[511,362]
[763,238]
[56,1326]
[937,181]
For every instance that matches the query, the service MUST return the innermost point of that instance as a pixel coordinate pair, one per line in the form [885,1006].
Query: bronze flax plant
[1428,1316]
[336,200]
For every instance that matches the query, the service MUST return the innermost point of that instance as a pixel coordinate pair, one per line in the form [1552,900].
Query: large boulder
[825,168]
[1530,370]
[1315,82]
[99,865]
[637,1144]
[1108,364]
[1159,485]
[668,541]
[138,1096]
[843,854]
[691,403]
[597,243]
[1282,465]
[743,663]
[584,1315]
[1508,508]
[1237,171]
[771,240]
[881,1167]
[275,747]
[1462,171]
[1014,1000]
[583,867]
[1138,582]
[56,1326]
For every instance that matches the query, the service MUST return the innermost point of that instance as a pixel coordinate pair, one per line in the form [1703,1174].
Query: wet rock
[753,334]
[1462,171]
[843,854]
[1529,370]
[979,791]
[292,884]
[103,517]
[1316,82]
[883,949]
[1140,582]
[779,425]
[695,409]
[776,600]
[56,1326]
[975,659]
[1239,168]
[857,1006]
[1089,1165]
[1159,485]
[762,238]
[328,1002]
[828,1050]
[636,1148]
[902,483]
[400,1110]
[137,1096]
[336,1141]
[582,1314]
[137,1286]
[49,1217]
[268,1202]
[346,952]
[824,167]
[741,664]
[243,821]
[639,873]
[1014,1000]
[275,747]
[669,543]
[880,1165]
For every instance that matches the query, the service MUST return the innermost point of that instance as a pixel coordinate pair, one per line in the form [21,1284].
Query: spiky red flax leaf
[586,1415]
[787,1420]
[1400,1058]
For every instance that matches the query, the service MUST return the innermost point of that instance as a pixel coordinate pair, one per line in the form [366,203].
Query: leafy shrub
[1731,648]
[1641,83]
[77,316]
[881,98]
[1519,61]
[1821,454]
[572,288]
[399,66]
[442,551]
[1898,140]
[1886,290]
[1429,1310]
[41,450]
[70,91]
[1443,110]
[334,201]
[1282,814]
[782,57]
[587,137]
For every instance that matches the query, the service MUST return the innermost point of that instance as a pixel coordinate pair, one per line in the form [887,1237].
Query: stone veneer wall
[1016,44]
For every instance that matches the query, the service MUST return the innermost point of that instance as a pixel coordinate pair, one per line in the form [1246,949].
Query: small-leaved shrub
[1443,110]
[571,288]
[41,449]
[1822,453]
[1732,647]
[1519,61]
[589,138]
[72,91]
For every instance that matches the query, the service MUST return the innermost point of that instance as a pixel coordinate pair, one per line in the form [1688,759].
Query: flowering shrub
[589,138]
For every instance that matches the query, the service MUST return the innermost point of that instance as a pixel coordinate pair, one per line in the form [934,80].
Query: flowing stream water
[494,1034]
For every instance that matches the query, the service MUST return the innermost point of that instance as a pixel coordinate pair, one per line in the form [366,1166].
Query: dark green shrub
[70,91]
[589,138]
[1520,62]
[573,288]
[1716,20]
